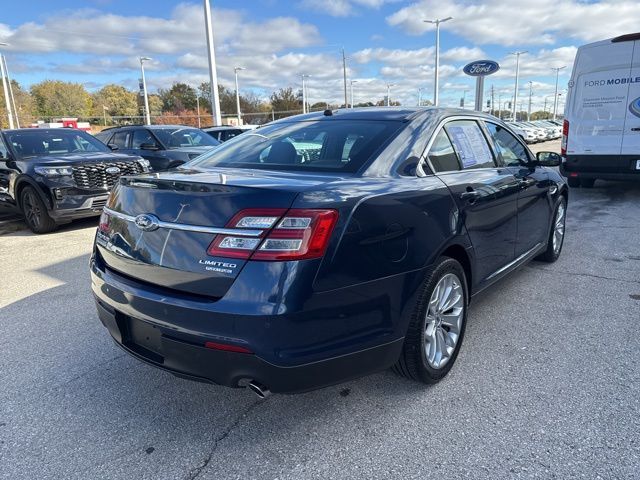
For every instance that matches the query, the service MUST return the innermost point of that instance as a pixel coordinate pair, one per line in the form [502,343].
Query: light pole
[464,97]
[389,85]
[147,114]
[515,97]
[304,92]
[198,107]
[351,85]
[436,86]
[530,95]
[213,74]
[420,96]
[7,99]
[555,97]
[236,70]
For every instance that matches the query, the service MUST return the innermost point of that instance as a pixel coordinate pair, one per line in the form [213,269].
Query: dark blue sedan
[323,247]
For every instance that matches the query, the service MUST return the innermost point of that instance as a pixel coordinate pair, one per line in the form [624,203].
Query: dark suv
[56,175]
[165,146]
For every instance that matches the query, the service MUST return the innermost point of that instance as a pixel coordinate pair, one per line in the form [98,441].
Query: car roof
[402,114]
[44,130]
[152,127]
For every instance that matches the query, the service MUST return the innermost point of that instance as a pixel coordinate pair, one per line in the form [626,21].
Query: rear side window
[510,149]
[120,139]
[325,145]
[441,154]
[470,144]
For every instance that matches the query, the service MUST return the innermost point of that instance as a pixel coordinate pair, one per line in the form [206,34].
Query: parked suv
[326,247]
[56,175]
[165,146]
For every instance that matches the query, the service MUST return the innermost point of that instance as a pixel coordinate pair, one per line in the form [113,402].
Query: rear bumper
[231,369]
[346,337]
[605,167]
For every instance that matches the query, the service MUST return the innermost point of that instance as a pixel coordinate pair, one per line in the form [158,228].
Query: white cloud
[539,22]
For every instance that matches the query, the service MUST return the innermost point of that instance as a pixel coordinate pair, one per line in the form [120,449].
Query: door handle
[635,129]
[527,182]
[470,196]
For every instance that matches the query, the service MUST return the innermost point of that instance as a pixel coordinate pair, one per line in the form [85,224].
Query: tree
[178,98]
[23,104]
[54,98]
[249,103]
[119,102]
[284,100]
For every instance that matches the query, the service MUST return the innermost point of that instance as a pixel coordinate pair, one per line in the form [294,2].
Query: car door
[122,140]
[486,192]
[630,158]
[7,202]
[534,208]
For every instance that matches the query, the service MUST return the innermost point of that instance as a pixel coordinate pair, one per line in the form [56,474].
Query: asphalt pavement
[547,384]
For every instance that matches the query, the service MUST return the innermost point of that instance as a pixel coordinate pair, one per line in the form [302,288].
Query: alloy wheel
[558,228]
[32,211]
[443,325]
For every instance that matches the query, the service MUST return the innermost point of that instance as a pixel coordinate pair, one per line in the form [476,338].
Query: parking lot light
[235,71]
[555,97]
[147,114]
[351,85]
[389,85]
[304,92]
[436,86]
[515,93]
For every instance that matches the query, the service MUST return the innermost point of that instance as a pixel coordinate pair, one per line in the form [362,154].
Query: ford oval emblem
[634,107]
[112,170]
[146,222]
[480,68]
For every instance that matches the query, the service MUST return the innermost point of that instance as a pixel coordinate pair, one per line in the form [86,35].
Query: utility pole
[344,76]
[13,101]
[235,71]
[213,74]
[7,100]
[436,85]
[198,108]
[515,96]
[530,95]
[147,114]
[493,105]
[555,97]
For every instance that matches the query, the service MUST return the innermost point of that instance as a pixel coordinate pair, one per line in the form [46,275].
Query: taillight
[565,138]
[299,235]
[103,226]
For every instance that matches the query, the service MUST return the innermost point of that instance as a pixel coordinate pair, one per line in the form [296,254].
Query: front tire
[556,235]
[437,324]
[35,212]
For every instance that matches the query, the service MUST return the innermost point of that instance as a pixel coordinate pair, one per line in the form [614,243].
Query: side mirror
[113,146]
[149,146]
[548,159]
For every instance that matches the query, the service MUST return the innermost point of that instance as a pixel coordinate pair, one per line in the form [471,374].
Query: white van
[601,132]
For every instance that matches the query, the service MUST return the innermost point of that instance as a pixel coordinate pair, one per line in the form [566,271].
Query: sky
[96,42]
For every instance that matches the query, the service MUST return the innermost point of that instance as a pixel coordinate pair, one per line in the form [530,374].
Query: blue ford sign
[480,68]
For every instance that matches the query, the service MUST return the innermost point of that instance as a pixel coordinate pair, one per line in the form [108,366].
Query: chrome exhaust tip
[260,390]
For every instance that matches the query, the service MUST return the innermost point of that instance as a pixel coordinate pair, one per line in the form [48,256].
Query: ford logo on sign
[112,170]
[147,223]
[480,68]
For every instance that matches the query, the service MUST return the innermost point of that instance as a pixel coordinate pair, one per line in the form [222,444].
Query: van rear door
[598,105]
[631,139]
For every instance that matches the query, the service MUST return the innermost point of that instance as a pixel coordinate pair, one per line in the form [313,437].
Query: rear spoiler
[629,37]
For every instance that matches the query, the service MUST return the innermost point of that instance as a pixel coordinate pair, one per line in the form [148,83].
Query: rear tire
[437,324]
[556,235]
[35,212]
[573,182]
[587,182]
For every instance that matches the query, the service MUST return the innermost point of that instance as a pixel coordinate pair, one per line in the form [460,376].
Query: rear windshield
[321,146]
[184,137]
[63,141]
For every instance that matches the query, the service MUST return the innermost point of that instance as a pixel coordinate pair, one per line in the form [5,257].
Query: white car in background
[526,134]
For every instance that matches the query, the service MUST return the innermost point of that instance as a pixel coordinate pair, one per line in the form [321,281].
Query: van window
[470,144]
